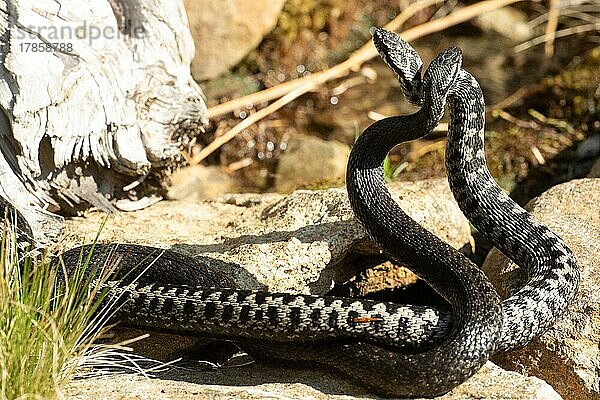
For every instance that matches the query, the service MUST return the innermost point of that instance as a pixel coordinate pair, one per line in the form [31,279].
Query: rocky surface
[567,356]
[309,160]
[301,242]
[226,30]
[262,382]
[306,241]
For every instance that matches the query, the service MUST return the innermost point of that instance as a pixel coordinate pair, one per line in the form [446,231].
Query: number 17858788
[36,47]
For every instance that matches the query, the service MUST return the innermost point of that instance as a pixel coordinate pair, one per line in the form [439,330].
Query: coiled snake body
[403,350]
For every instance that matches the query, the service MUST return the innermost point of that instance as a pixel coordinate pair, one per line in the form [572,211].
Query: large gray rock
[295,242]
[262,382]
[226,30]
[299,242]
[567,356]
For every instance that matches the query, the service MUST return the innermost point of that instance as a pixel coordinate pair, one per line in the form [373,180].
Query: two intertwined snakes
[401,350]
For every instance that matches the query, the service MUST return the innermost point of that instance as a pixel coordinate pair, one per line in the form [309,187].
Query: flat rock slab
[298,242]
[262,382]
[568,355]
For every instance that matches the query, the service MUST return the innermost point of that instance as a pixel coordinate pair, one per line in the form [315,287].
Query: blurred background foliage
[543,109]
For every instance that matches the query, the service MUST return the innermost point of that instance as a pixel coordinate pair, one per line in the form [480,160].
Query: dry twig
[562,33]
[365,53]
[511,99]
[551,28]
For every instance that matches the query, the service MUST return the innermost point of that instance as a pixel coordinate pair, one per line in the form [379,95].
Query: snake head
[403,60]
[442,73]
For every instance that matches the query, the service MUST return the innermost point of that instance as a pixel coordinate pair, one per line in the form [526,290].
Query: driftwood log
[96,102]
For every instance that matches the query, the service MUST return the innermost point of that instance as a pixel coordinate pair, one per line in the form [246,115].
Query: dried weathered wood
[96,99]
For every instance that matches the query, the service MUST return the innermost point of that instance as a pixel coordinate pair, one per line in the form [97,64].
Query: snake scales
[401,350]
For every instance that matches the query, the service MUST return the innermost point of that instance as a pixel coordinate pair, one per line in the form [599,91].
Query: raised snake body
[550,266]
[404,351]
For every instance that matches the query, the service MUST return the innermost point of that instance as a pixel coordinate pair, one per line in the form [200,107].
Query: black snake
[394,349]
